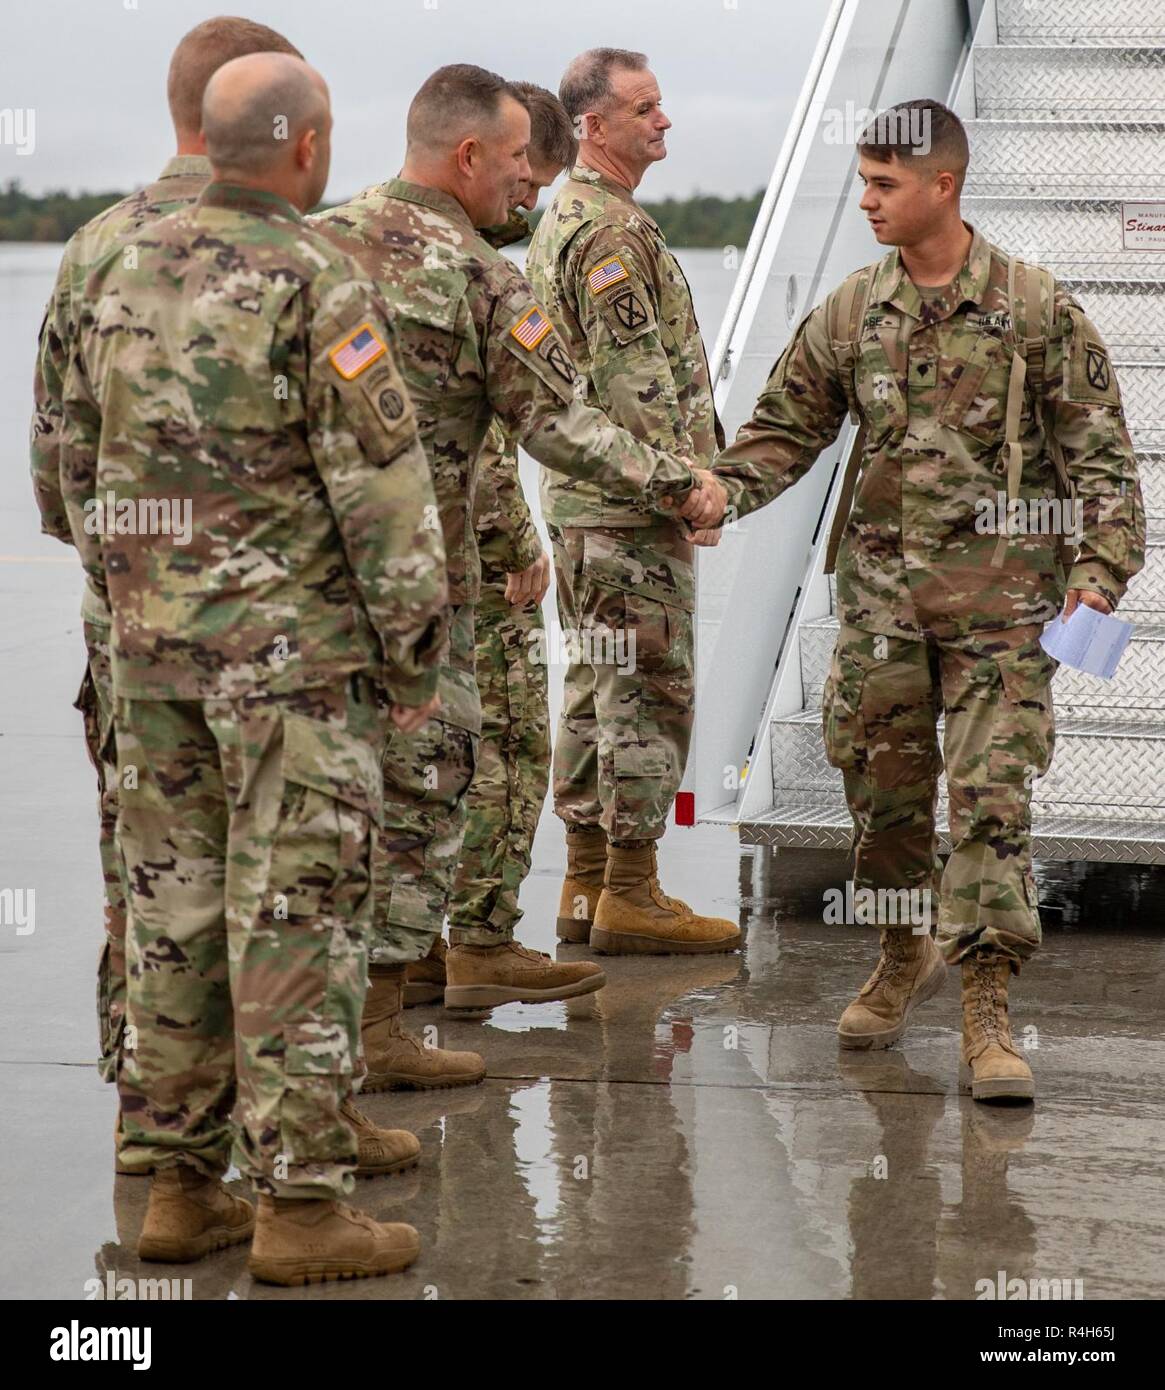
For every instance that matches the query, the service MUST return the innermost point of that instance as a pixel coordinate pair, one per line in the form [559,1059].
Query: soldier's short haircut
[248,130]
[586,83]
[454,102]
[203,51]
[551,129]
[925,130]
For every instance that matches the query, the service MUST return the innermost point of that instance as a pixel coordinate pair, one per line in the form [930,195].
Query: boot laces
[989,1005]
[891,967]
[357,1116]
[527,954]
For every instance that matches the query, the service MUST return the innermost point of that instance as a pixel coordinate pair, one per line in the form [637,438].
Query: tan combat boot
[992,1068]
[636,917]
[586,862]
[380,1150]
[482,976]
[425,978]
[190,1215]
[310,1240]
[910,971]
[395,1059]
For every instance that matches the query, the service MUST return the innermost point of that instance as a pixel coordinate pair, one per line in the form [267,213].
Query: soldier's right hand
[704,506]
[409,718]
[529,584]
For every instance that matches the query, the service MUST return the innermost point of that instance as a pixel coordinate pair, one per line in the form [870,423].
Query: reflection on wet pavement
[692,1131]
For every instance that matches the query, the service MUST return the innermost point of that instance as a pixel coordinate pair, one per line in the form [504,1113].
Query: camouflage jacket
[507,538]
[238,436]
[473,345]
[931,383]
[602,270]
[179,183]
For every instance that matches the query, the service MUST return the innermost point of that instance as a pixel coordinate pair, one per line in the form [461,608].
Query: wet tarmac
[690,1132]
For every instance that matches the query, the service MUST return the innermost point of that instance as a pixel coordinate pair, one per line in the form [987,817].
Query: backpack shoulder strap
[1032,287]
[846,313]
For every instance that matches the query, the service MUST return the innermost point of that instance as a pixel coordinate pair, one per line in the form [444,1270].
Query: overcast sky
[94,72]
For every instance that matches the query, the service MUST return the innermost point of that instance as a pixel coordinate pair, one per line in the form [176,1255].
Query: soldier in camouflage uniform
[509,784]
[200,52]
[939,614]
[626,582]
[238,435]
[474,345]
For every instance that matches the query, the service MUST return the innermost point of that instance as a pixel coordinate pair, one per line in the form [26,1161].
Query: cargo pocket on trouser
[879,714]
[100,745]
[311,985]
[426,777]
[639,602]
[841,711]
[994,902]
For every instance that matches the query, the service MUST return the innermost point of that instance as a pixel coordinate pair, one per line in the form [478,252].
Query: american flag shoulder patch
[357,352]
[531,328]
[608,273]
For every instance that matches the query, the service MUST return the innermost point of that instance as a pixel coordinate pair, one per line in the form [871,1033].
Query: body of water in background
[26,280]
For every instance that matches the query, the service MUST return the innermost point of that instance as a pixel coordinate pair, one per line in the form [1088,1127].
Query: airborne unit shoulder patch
[606,274]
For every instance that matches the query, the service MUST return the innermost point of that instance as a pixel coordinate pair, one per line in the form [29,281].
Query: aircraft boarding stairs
[1065,106]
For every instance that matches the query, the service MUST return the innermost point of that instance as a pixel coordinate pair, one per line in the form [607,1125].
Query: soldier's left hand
[1088,599]
[530,584]
[709,536]
[409,718]
[704,505]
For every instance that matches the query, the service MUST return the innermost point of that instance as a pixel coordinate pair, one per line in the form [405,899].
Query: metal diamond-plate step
[824,822]
[1035,83]
[1144,599]
[1081,21]
[1075,239]
[1130,314]
[1143,394]
[1101,767]
[1066,159]
[1135,693]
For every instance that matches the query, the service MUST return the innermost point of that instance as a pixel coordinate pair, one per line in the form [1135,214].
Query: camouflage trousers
[626,596]
[426,777]
[247,831]
[513,768]
[883,699]
[95,702]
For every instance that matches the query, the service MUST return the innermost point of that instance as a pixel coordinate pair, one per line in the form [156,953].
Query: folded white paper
[1090,641]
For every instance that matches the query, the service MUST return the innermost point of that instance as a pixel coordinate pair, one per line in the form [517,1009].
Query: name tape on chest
[606,274]
[997,322]
[357,352]
[531,328]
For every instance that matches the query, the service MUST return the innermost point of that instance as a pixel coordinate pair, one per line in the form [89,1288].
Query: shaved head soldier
[243,369]
[965,369]
[198,56]
[609,282]
[474,345]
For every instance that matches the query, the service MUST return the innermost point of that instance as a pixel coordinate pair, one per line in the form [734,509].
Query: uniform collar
[434,198]
[581,173]
[892,285]
[254,200]
[186,166]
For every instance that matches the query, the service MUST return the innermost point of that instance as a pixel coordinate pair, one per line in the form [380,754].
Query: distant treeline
[702,220]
